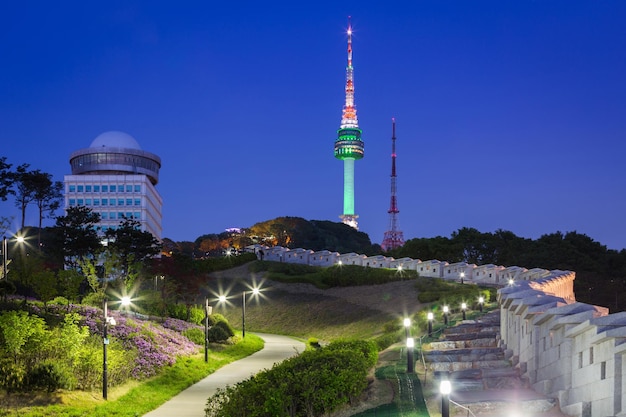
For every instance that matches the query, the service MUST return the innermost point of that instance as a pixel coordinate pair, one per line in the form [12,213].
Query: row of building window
[112,188]
[119,215]
[104,202]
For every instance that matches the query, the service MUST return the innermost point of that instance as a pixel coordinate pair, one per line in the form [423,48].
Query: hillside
[306,311]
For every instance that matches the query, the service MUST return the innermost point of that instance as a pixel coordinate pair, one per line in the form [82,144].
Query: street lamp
[407,324]
[255,292]
[410,344]
[4,257]
[463,308]
[511,281]
[105,341]
[445,387]
[445,314]
[462,276]
[481,300]
[430,317]
[207,312]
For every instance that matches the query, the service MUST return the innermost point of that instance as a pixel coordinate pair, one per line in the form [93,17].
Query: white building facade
[115,178]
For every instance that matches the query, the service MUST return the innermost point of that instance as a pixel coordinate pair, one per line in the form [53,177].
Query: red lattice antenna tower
[393,237]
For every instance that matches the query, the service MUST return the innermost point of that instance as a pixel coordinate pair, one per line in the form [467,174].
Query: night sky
[510,114]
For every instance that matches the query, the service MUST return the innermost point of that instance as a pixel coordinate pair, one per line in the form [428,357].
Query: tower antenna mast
[349,146]
[393,237]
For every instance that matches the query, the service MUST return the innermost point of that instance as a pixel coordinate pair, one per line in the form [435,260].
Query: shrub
[11,376]
[224,325]
[45,376]
[311,384]
[217,334]
[195,335]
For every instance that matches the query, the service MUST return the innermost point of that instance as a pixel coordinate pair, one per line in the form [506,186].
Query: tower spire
[393,237]
[349,146]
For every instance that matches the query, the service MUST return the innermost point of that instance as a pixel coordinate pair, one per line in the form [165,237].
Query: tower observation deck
[349,146]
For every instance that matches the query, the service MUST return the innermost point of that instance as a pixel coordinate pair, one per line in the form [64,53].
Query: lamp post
[463,308]
[255,291]
[445,314]
[430,317]
[462,277]
[407,324]
[445,388]
[481,300]
[4,257]
[105,341]
[410,344]
[207,312]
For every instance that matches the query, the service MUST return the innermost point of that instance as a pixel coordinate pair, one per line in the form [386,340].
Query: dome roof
[115,139]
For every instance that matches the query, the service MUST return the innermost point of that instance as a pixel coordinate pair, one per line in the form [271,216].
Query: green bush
[195,335]
[217,334]
[45,376]
[311,384]
[192,314]
[11,375]
[224,325]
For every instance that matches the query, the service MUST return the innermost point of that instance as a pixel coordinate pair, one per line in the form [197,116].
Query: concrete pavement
[192,401]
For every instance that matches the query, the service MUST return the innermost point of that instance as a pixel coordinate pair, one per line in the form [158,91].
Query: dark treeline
[600,272]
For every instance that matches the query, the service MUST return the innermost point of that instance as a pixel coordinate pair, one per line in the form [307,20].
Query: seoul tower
[349,146]
[393,237]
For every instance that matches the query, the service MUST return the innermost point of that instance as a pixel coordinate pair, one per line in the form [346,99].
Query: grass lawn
[135,398]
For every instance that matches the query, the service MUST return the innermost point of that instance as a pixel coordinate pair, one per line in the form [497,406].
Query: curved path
[192,401]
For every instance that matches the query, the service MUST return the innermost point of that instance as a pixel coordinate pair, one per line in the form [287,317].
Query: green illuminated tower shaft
[349,146]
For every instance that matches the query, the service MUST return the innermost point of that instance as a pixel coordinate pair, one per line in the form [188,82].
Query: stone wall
[567,350]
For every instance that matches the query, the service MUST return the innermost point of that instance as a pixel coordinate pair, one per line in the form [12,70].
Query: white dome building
[115,178]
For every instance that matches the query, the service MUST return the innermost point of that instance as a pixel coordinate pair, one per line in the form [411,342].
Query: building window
[603,370]
[72,188]
[120,201]
[580,360]
[96,188]
[105,202]
[120,215]
[137,202]
[87,188]
[96,201]
[129,188]
[591,355]
[112,188]
[112,201]
[137,188]
[129,201]
[105,188]
[137,215]
[72,202]
[88,201]
[120,188]
[104,215]
[80,188]
[79,202]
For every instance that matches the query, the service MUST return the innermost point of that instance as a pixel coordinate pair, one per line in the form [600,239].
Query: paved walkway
[192,401]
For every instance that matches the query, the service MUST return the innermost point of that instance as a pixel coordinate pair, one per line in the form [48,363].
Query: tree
[76,235]
[6,179]
[69,282]
[25,267]
[129,240]
[24,183]
[47,194]
[45,285]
